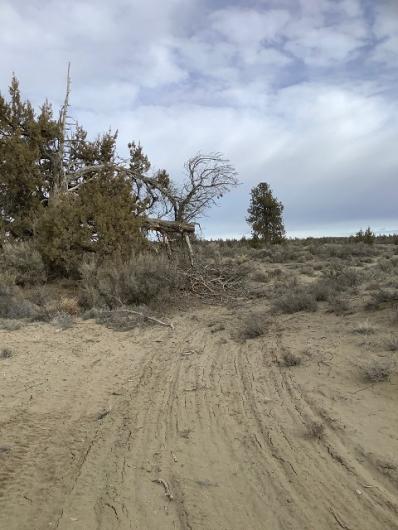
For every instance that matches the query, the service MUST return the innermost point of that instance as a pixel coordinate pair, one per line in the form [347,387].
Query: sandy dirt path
[185,429]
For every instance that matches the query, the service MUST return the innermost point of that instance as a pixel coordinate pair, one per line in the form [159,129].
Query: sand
[191,428]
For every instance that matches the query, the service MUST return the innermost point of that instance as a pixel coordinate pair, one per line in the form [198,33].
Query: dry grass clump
[259,276]
[120,319]
[379,370]
[345,251]
[13,305]
[66,304]
[253,326]
[284,253]
[338,305]
[289,359]
[387,264]
[364,328]
[10,325]
[341,277]
[6,353]
[322,290]
[307,270]
[62,320]
[335,280]
[16,307]
[383,297]
[315,430]
[391,344]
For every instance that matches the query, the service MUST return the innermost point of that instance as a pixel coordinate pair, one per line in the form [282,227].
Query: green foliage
[23,261]
[67,210]
[26,146]
[62,234]
[98,220]
[142,279]
[111,213]
[367,237]
[265,215]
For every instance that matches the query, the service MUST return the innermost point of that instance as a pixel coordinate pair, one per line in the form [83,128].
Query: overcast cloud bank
[299,93]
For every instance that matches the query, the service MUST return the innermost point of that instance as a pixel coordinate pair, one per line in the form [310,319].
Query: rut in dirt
[202,432]
[213,436]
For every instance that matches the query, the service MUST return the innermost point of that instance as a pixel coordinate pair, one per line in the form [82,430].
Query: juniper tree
[265,215]
[26,146]
[73,195]
[69,200]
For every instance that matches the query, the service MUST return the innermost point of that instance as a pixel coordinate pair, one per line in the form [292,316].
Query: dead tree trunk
[168,228]
[60,183]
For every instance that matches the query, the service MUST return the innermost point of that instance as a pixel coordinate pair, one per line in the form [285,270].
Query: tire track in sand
[222,427]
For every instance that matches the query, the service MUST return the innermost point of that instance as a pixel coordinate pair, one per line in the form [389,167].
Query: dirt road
[187,429]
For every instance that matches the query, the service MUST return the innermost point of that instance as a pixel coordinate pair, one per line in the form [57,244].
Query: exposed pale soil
[194,429]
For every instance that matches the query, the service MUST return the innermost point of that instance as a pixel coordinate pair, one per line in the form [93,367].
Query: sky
[301,94]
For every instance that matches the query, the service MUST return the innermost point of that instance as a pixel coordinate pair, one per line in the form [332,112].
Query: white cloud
[253,82]
[249,26]
[386,31]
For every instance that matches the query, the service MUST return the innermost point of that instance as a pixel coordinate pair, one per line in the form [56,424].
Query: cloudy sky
[299,93]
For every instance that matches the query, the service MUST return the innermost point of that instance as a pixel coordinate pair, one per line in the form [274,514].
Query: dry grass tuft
[6,353]
[379,370]
[289,359]
[315,430]
[10,325]
[66,304]
[391,344]
[62,320]
[364,328]
[254,325]
[338,305]
[259,276]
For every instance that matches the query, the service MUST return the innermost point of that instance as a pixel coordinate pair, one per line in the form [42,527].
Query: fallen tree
[49,169]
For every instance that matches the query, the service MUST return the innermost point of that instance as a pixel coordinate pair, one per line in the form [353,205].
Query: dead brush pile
[214,281]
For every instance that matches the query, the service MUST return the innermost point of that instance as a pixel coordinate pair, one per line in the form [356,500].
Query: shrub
[307,270]
[259,276]
[143,279]
[386,265]
[378,370]
[62,321]
[10,325]
[342,277]
[253,326]
[338,305]
[295,300]
[344,251]
[15,306]
[382,297]
[24,261]
[7,283]
[322,290]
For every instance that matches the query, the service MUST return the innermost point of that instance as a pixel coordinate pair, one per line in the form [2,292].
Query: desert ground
[271,407]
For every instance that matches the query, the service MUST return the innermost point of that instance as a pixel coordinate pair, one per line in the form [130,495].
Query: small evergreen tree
[26,148]
[265,215]
[367,237]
